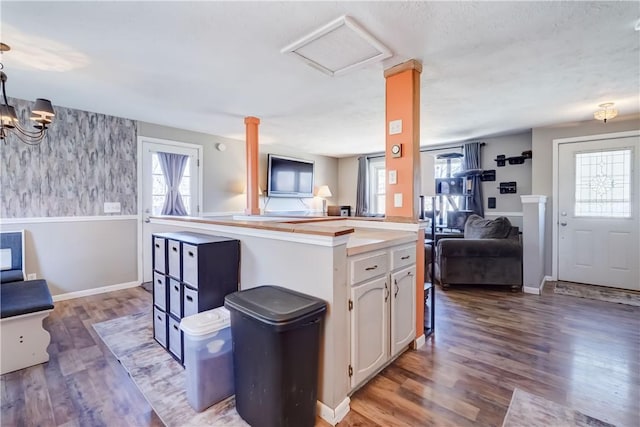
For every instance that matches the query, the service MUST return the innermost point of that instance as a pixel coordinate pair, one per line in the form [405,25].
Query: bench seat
[18,298]
[23,307]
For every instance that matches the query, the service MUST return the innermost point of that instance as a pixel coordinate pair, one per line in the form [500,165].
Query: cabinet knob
[406,257]
[386,292]
[371,268]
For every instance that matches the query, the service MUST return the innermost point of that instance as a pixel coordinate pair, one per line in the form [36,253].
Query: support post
[253,202]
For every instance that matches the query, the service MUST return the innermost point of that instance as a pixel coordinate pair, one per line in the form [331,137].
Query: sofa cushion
[477,227]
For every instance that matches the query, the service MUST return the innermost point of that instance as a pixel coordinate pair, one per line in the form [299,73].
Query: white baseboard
[334,416]
[545,279]
[95,291]
[419,342]
[536,291]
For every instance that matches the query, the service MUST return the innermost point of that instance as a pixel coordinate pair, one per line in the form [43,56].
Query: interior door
[154,189]
[599,212]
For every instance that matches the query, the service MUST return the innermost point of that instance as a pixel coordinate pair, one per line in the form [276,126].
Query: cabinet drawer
[159,290]
[159,254]
[403,256]
[190,301]
[174,258]
[160,326]
[175,338]
[190,265]
[175,298]
[367,266]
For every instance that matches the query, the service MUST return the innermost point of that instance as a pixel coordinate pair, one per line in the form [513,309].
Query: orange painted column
[402,159]
[253,203]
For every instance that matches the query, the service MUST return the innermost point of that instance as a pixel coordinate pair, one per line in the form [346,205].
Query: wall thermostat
[396,150]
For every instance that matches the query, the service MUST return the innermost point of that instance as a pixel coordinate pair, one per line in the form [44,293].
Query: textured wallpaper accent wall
[85,160]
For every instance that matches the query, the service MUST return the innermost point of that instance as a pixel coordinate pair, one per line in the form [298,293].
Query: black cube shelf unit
[192,273]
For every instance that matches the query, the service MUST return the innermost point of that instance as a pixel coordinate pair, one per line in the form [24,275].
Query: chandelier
[606,112]
[42,114]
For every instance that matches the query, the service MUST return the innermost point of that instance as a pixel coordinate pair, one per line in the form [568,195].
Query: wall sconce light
[606,112]
[324,192]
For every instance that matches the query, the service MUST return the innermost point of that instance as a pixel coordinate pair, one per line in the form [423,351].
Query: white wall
[347,182]
[326,173]
[542,173]
[510,146]
[224,172]
[75,254]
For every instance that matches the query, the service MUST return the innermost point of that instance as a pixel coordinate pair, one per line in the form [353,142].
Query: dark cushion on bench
[18,298]
[11,276]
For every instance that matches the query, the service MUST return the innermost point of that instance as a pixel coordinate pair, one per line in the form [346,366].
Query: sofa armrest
[479,248]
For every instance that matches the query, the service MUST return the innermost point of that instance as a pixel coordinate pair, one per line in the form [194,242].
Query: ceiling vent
[339,47]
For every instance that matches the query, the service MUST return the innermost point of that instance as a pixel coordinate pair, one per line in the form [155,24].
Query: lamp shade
[43,108]
[324,191]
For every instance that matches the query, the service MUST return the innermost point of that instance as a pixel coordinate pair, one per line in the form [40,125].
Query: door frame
[141,140]
[555,195]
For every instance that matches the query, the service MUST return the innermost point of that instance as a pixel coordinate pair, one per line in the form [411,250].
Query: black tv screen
[289,177]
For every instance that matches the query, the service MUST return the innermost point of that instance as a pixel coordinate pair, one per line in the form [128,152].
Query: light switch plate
[112,207]
[393,177]
[395,127]
[397,200]
[32,276]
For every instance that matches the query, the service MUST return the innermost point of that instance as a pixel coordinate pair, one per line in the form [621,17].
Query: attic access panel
[339,47]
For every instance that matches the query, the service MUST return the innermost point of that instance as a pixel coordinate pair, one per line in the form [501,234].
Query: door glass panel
[159,189]
[603,184]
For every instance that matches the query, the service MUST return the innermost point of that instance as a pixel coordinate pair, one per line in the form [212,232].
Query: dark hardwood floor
[581,353]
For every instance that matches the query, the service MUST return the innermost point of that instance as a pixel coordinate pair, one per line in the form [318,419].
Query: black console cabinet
[192,273]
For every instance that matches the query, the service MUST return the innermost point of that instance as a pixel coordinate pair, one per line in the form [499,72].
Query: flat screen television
[289,177]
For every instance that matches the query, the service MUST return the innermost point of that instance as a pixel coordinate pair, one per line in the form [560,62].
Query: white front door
[154,188]
[599,212]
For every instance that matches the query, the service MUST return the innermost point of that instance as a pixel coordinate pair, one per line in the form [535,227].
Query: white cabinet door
[369,328]
[403,309]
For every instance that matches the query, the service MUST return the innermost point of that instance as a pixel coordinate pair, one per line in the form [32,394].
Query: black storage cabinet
[276,345]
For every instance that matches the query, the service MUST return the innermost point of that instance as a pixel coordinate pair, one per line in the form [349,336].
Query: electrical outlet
[112,207]
[32,276]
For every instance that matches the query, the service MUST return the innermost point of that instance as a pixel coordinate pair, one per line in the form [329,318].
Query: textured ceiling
[489,67]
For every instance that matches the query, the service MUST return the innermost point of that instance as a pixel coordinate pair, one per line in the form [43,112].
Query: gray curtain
[362,199]
[172,166]
[471,163]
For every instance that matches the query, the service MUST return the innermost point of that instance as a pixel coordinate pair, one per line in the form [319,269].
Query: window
[603,184]
[446,167]
[159,186]
[377,186]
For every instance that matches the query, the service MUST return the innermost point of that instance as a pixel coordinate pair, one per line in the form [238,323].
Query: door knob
[147,220]
[564,224]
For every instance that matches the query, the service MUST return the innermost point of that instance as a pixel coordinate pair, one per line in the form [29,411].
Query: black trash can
[276,345]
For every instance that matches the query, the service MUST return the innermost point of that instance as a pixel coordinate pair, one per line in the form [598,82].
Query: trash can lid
[206,322]
[276,305]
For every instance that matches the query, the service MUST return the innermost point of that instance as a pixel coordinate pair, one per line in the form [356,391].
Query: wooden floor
[581,353]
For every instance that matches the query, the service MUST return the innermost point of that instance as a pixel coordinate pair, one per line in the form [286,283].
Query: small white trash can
[208,357]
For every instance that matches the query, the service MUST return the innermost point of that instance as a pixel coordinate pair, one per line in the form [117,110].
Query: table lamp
[324,192]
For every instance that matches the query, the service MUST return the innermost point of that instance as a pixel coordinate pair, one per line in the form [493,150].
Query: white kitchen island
[363,269]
